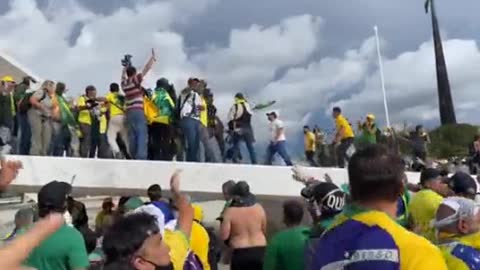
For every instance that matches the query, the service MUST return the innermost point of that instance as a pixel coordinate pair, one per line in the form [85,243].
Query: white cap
[463,207]
[154,211]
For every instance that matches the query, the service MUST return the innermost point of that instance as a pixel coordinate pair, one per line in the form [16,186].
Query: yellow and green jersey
[367,239]
[462,253]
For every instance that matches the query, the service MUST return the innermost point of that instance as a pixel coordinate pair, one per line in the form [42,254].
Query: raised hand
[8,172]
[175,182]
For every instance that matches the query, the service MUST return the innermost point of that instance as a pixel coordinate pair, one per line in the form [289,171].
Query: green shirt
[63,250]
[286,250]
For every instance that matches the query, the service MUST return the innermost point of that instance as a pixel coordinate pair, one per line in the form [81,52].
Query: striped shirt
[132,87]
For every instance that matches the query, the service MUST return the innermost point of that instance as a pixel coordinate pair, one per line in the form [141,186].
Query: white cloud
[273,62]
[411,85]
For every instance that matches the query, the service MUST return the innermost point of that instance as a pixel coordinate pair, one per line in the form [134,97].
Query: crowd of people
[377,221]
[134,121]
[131,121]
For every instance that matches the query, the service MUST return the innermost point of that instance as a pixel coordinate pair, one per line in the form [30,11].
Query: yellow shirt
[372,235]
[310,141]
[341,122]
[199,242]
[423,208]
[462,253]
[178,243]
[204,113]
[112,98]
[83,115]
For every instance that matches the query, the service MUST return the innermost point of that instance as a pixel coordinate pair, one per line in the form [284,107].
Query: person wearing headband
[457,224]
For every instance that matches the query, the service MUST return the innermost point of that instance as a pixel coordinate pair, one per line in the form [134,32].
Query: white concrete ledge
[200,178]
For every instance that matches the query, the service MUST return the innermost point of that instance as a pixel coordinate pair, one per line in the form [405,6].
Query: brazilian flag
[66,115]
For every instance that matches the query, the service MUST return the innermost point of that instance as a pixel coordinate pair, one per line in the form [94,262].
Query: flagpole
[382,77]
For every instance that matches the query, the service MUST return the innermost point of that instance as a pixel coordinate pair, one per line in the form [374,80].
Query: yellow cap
[371,116]
[197,212]
[8,78]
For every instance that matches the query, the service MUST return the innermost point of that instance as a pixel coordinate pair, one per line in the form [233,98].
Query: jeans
[278,148]
[161,142]
[60,140]
[137,134]
[342,151]
[86,140]
[25,134]
[207,146]
[310,155]
[249,140]
[191,131]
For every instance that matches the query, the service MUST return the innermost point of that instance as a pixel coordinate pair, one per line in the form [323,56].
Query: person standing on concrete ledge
[244,229]
[278,143]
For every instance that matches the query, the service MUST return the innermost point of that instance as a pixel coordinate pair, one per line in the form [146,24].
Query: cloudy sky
[307,55]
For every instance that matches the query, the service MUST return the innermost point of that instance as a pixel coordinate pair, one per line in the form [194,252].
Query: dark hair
[154,192]
[375,173]
[131,71]
[90,88]
[114,87]
[476,137]
[293,212]
[337,110]
[306,127]
[228,186]
[126,236]
[162,83]
[90,239]
[60,89]
[418,127]
[45,210]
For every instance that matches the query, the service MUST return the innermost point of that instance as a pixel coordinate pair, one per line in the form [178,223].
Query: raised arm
[149,64]
[185,210]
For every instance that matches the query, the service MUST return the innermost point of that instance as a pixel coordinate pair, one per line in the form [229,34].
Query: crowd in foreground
[376,221]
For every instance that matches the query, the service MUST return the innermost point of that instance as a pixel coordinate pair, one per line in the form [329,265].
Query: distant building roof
[9,66]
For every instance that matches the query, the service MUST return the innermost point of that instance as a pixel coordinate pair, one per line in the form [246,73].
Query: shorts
[247,258]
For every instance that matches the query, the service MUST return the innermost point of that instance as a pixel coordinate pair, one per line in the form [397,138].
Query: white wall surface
[196,177]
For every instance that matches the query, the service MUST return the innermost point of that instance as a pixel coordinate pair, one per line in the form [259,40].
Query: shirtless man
[244,229]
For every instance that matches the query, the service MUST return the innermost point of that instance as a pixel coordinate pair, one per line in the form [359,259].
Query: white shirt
[275,126]
[189,106]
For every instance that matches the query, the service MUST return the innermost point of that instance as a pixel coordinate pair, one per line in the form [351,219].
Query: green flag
[66,115]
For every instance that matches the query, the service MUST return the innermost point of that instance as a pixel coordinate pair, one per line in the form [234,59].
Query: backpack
[24,104]
[192,262]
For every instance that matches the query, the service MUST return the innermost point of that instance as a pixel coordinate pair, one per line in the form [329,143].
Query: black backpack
[24,104]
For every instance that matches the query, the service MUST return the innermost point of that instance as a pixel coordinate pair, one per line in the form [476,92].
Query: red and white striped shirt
[132,87]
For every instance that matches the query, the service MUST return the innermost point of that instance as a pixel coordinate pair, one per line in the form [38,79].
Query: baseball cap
[153,211]
[244,197]
[54,195]
[327,195]
[462,183]
[8,78]
[133,203]
[462,207]
[429,174]
[272,113]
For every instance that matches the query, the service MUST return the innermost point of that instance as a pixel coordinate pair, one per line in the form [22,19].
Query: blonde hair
[46,84]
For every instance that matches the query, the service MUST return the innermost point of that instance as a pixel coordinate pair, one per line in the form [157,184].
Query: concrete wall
[114,177]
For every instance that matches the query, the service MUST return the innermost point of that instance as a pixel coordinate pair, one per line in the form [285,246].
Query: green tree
[445,102]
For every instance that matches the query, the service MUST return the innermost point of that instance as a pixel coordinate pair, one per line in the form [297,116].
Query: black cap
[244,197]
[428,175]
[463,183]
[54,195]
[239,95]
[321,193]
[272,114]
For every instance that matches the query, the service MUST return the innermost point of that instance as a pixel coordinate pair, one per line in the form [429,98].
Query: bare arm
[149,64]
[225,226]
[185,210]
[339,135]
[264,222]
[18,250]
